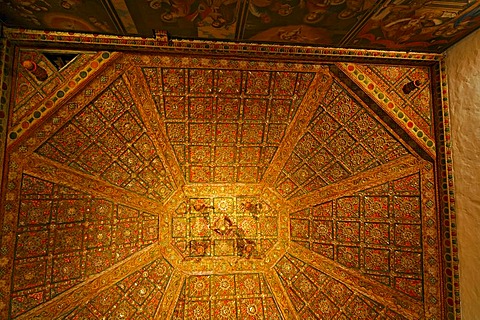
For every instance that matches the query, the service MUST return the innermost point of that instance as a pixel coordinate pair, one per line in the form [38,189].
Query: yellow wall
[463,70]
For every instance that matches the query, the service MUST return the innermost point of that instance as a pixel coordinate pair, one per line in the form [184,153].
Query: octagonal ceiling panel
[240,226]
[156,190]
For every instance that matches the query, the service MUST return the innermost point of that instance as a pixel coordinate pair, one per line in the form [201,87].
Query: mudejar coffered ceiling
[286,174]
[181,186]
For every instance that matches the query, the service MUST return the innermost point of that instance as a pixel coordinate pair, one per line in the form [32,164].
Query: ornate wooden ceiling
[167,186]
[420,25]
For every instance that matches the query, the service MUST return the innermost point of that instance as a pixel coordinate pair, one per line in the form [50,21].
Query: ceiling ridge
[42,166]
[297,127]
[153,123]
[279,292]
[395,169]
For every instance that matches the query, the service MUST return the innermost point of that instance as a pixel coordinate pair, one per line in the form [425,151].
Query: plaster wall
[463,70]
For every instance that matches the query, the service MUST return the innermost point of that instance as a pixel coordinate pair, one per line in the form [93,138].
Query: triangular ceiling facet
[136,296]
[316,295]
[416,102]
[30,91]
[375,231]
[65,236]
[226,296]
[343,139]
[60,59]
[108,139]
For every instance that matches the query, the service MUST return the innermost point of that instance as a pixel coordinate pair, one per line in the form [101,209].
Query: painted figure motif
[71,4]
[264,8]
[195,14]
[303,21]
[253,208]
[417,24]
[61,15]
[27,9]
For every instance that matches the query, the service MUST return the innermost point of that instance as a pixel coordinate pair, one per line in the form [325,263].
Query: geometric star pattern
[214,188]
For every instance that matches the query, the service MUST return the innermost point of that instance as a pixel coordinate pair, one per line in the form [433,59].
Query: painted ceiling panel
[311,21]
[79,15]
[416,25]
[108,139]
[66,236]
[344,138]
[241,226]
[376,231]
[317,295]
[186,18]
[136,296]
[226,125]
[227,296]
[403,25]
[356,237]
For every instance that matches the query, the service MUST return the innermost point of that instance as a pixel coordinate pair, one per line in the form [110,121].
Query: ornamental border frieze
[161,43]
[64,106]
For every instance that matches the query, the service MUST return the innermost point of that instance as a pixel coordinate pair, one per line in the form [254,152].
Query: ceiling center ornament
[227,227]
[242,227]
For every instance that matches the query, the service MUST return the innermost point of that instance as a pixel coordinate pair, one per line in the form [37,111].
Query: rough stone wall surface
[463,71]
